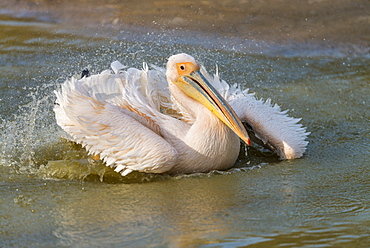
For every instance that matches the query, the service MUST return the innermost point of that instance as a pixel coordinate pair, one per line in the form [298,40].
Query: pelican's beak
[195,85]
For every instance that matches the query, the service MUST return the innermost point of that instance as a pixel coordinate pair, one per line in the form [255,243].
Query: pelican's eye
[186,68]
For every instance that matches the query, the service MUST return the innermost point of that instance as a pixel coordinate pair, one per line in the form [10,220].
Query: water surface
[53,195]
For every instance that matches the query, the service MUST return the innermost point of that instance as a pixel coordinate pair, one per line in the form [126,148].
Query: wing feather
[108,115]
[272,126]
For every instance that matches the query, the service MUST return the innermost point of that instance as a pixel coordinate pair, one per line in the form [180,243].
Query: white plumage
[140,120]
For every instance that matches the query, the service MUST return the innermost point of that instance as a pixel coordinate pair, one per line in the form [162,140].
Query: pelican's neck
[184,102]
[208,143]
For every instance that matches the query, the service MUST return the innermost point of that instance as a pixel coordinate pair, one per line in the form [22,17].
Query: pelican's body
[178,120]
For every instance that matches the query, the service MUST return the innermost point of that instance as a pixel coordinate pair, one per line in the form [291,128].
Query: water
[53,195]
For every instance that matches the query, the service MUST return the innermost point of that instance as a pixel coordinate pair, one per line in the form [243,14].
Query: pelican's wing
[267,124]
[113,115]
[271,127]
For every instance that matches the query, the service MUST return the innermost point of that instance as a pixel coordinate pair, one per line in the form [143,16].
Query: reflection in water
[173,209]
[209,209]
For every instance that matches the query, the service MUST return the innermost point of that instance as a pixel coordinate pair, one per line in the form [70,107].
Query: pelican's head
[184,72]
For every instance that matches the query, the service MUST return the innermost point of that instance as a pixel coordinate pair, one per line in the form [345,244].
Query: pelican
[177,120]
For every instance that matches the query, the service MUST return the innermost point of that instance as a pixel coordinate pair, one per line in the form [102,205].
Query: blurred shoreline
[323,24]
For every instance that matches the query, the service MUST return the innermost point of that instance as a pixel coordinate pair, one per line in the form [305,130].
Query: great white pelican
[178,120]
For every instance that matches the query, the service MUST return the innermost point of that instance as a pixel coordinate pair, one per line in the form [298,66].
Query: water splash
[26,132]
